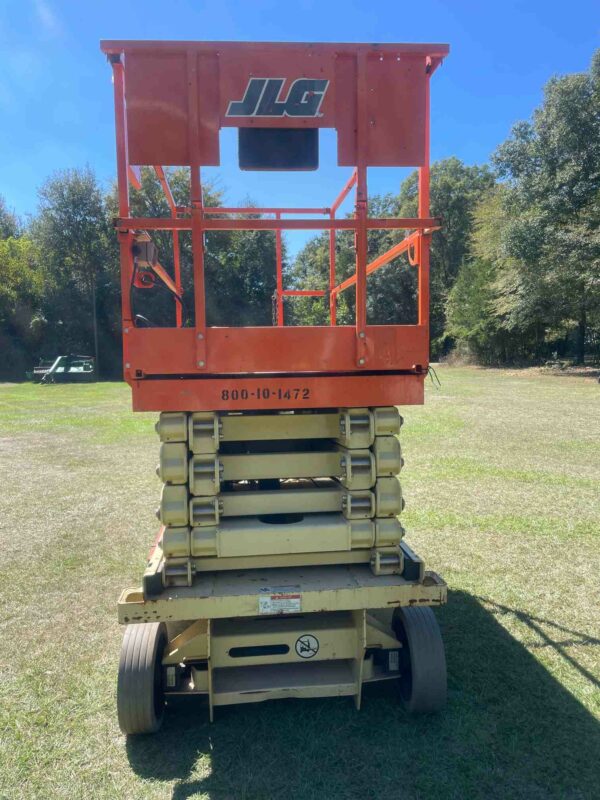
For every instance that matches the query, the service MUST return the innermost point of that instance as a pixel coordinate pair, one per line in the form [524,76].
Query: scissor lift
[280,568]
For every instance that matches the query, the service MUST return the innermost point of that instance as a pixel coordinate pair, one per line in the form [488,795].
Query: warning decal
[307,646]
[280,600]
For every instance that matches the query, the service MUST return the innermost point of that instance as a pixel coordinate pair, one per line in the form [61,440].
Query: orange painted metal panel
[171,351]
[276,392]
[295,62]
[395,110]
[156,96]
[159,112]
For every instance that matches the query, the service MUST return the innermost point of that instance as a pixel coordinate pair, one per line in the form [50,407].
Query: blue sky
[56,95]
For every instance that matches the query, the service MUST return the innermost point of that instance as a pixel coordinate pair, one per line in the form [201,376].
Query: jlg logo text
[262,98]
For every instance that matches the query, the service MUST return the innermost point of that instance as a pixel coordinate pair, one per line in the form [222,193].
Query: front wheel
[140,694]
[422,659]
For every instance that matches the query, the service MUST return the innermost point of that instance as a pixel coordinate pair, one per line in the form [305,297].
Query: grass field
[502,481]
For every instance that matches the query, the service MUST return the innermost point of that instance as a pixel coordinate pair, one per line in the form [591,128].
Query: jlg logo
[261,98]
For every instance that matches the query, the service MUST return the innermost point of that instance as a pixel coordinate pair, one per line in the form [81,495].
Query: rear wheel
[422,659]
[140,694]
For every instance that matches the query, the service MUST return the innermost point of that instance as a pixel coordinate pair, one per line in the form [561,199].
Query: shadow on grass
[510,731]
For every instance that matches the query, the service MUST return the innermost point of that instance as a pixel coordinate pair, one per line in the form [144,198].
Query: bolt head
[127,365]
[361,361]
[200,336]
[201,363]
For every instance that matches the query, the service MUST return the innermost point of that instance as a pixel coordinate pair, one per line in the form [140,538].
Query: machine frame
[378,102]
[257,588]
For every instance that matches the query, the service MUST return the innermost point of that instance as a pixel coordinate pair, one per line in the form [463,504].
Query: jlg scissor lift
[280,558]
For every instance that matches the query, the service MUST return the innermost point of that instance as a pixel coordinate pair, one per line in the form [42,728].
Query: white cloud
[47,18]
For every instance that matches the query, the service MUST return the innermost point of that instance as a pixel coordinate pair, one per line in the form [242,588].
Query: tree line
[60,288]
[515,269]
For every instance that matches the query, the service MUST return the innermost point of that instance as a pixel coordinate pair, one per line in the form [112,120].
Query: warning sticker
[280,600]
[307,646]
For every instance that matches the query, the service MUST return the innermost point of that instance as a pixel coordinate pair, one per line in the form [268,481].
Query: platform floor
[309,589]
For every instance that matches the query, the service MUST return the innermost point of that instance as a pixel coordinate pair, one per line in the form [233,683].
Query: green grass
[502,484]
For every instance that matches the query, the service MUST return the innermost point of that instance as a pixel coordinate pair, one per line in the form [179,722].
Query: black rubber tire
[423,681]
[140,695]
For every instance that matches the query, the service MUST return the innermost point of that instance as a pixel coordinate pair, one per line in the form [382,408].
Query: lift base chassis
[276,633]
[312,589]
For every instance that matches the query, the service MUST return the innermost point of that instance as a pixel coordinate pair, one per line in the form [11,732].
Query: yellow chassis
[223,626]
[337,587]
[304,588]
